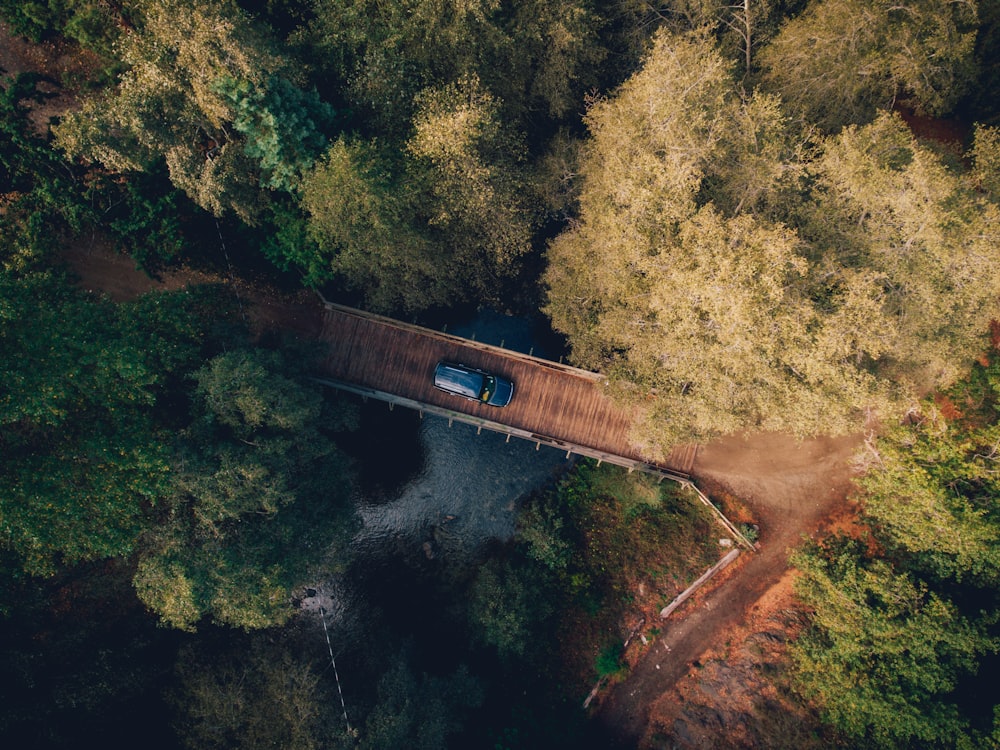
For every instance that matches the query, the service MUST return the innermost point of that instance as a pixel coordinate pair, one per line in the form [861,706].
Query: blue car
[473,384]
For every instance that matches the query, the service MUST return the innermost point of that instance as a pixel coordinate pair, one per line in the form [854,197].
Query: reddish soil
[101,270]
[60,63]
[740,623]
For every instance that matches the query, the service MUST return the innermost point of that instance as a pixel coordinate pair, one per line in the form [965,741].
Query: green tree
[92,24]
[883,654]
[445,221]
[168,103]
[841,60]
[903,620]
[284,127]
[83,458]
[533,55]
[43,200]
[418,710]
[475,189]
[257,501]
[694,314]
[888,213]
[503,608]
[362,228]
[261,696]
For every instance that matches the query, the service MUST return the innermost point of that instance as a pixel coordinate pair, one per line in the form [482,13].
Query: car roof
[458,377]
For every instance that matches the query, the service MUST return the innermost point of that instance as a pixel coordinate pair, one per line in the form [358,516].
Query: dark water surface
[438,494]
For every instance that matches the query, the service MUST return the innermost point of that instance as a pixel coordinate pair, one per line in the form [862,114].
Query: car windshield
[489,387]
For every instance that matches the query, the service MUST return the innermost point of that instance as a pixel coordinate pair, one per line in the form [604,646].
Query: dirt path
[791,487]
[100,269]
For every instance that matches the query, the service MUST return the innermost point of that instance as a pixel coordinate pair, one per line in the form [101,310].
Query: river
[432,496]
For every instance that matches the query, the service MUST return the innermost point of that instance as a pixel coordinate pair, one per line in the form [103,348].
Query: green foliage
[883,653]
[262,696]
[167,105]
[474,189]
[841,60]
[362,222]
[82,457]
[902,624]
[42,200]
[889,216]
[986,156]
[257,500]
[284,127]
[144,214]
[24,156]
[534,55]
[418,710]
[92,24]
[609,660]
[446,222]
[504,605]
[583,547]
[932,494]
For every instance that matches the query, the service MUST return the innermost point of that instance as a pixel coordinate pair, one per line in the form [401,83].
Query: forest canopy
[765,276]
[743,214]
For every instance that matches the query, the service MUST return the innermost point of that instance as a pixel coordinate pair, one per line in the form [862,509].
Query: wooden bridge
[554,404]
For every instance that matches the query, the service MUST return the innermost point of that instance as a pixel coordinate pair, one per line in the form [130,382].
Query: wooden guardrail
[539,440]
[470,343]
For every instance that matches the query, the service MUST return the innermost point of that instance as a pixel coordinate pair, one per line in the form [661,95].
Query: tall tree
[533,55]
[83,458]
[255,694]
[471,167]
[445,221]
[204,90]
[884,655]
[840,60]
[890,214]
[363,227]
[257,500]
[731,278]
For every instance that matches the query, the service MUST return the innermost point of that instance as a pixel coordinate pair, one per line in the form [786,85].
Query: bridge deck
[552,401]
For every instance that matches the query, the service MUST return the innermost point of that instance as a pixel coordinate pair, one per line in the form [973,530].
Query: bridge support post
[567,453]
[479,430]
[538,445]
[508,438]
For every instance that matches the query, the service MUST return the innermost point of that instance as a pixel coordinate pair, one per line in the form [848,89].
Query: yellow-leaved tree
[729,272]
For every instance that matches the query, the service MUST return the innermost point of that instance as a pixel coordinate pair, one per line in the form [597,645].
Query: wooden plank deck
[554,403]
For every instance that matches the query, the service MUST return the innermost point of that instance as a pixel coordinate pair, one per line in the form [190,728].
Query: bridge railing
[540,440]
[470,343]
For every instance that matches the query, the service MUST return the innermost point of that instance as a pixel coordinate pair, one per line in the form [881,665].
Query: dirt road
[791,487]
